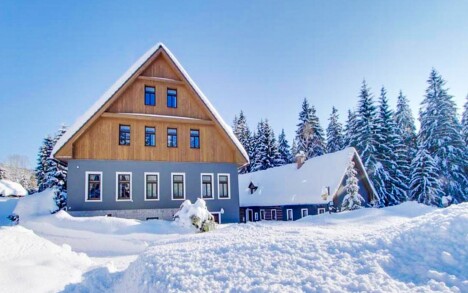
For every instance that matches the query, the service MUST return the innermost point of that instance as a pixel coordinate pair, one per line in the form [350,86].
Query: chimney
[300,159]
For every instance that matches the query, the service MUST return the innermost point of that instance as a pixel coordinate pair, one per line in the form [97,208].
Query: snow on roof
[123,79]
[10,188]
[287,185]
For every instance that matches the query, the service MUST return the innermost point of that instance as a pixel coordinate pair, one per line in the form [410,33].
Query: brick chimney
[300,159]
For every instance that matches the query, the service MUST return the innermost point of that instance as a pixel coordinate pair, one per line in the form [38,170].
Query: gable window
[207,186]
[304,213]
[150,136]
[171,98]
[194,138]
[178,186]
[124,186]
[172,137]
[262,214]
[223,186]
[273,215]
[93,186]
[150,96]
[124,134]
[151,186]
[289,214]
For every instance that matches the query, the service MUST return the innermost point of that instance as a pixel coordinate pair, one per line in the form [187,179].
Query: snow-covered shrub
[196,215]
[352,199]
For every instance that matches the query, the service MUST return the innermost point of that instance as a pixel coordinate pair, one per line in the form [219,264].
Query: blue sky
[58,57]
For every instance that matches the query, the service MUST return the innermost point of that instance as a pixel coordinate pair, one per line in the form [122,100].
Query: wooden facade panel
[101,142]
[161,68]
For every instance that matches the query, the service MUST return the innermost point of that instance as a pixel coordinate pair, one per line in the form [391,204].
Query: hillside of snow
[410,247]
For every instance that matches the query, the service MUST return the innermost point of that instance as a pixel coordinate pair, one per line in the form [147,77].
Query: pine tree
[390,152]
[407,130]
[56,175]
[309,133]
[43,162]
[267,155]
[352,200]
[424,186]
[284,150]
[465,122]
[335,139]
[294,150]
[440,135]
[242,132]
[350,130]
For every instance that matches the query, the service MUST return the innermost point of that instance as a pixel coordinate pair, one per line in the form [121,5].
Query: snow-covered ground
[410,247]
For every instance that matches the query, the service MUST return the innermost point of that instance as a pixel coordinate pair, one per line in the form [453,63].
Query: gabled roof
[287,185]
[128,75]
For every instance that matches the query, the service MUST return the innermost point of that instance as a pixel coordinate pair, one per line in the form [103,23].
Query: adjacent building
[150,142]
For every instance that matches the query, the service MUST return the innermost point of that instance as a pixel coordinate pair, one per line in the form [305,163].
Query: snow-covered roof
[287,185]
[10,188]
[126,77]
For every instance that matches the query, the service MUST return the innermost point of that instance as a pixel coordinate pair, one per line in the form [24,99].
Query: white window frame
[302,213]
[212,186]
[87,173]
[264,215]
[159,180]
[117,186]
[256,216]
[229,185]
[172,185]
[287,215]
[275,218]
[321,211]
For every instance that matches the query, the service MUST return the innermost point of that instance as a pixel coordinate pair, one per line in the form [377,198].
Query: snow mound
[38,204]
[10,188]
[7,205]
[33,264]
[193,215]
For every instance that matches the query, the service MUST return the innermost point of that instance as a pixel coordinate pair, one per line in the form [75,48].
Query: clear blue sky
[58,57]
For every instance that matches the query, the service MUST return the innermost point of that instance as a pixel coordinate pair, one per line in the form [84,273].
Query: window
[124,134]
[321,211]
[172,137]
[124,186]
[304,213]
[151,186]
[273,215]
[223,186]
[171,98]
[256,216]
[178,186]
[150,136]
[194,138]
[262,214]
[207,186]
[150,96]
[93,186]
[289,214]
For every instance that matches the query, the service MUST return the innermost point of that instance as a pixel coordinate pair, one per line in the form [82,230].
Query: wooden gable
[98,137]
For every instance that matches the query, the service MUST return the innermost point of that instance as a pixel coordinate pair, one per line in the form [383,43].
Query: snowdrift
[38,204]
[10,188]
[195,216]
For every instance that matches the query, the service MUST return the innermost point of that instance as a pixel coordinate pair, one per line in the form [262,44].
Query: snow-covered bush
[38,204]
[196,215]
[352,199]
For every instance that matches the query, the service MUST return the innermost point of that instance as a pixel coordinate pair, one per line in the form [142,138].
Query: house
[304,188]
[150,142]
[10,188]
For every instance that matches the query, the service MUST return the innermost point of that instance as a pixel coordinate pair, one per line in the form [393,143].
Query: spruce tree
[406,128]
[440,135]
[425,187]
[294,150]
[242,132]
[335,139]
[352,200]
[465,122]
[350,130]
[309,133]
[318,147]
[42,166]
[284,150]
[267,155]
[56,174]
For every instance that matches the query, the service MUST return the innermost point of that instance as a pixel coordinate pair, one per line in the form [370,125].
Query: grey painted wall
[77,174]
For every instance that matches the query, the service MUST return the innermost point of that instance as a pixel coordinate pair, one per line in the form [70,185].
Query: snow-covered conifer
[42,166]
[350,130]
[242,132]
[56,174]
[284,150]
[294,150]
[465,122]
[309,133]
[352,200]
[267,155]
[2,173]
[335,139]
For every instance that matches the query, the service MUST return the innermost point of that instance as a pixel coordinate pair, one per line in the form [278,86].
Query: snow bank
[195,215]
[38,204]
[30,263]
[7,205]
[10,188]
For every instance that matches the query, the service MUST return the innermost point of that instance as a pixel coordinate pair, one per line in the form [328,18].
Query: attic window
[252,187]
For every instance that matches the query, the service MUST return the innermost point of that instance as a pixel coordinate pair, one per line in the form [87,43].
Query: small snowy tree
[352,200]
[309,133]
[284,150]
[267,155]
[350,130]
[465,122]
[43,162]
[425,187]
[335,139]
[242,132]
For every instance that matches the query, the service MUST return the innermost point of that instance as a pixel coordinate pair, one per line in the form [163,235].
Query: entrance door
[216,217]
[249,213]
